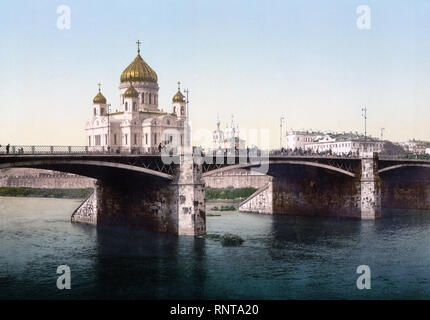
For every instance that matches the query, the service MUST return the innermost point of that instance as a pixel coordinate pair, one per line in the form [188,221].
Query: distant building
[218,136]
[345,147]
[334,143]
[230,138]
[415,146]
[299,139]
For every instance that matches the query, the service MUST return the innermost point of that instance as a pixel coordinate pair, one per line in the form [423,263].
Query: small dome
[99,98]
[178,97]
[131,92]
[139,71]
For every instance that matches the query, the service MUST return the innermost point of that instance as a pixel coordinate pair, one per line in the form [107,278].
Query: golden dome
[99,98]
[139,71]
[131,92]
[178,97]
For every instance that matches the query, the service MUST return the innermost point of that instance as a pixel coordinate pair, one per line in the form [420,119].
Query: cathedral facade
[229,138]
[139,126]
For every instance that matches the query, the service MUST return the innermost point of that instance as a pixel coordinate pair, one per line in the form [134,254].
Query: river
[283,257]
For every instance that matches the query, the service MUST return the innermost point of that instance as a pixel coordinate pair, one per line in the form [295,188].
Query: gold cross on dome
[138,46]
[99,84]
[179,86]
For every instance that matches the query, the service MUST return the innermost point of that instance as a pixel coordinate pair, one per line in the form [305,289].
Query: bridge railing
[102,150]
[307,153]
[352,155]
[76,150]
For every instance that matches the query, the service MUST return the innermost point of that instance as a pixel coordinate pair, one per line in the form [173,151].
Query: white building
[139,125]
[334,143]
[299,139]
[344,147]
[230,138]
[218,136]
[415,146]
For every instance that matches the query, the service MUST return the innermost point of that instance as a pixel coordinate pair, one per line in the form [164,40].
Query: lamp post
[187,128]
[382,133]
[364,115]
[108,135]
[280,137]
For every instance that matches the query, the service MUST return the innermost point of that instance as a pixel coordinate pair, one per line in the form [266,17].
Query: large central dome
[138,71]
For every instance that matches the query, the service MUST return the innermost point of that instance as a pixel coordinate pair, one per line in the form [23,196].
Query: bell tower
[99,104]
[179,104]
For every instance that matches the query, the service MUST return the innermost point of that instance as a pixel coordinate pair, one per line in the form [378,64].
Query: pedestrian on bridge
[7,148]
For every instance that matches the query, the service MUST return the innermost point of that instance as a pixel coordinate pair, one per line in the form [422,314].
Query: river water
[283,257]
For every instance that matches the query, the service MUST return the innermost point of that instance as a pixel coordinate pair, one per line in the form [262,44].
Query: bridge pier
[191,208]
[370,187]
[306,190]
[176,206]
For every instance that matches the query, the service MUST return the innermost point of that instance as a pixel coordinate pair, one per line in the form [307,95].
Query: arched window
[122,98]
[174,109]
[150,98]
[134,105]
[168,122]
[95,112]
[102,111]
[143,97]
[182,110]
[126,106]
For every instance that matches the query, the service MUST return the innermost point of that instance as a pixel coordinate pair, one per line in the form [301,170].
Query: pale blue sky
[259,60]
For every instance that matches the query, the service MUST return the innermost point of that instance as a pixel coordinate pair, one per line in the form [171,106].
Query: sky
[304,60]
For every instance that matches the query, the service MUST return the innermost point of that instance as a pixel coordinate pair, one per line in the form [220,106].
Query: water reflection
[283,257]
[148,265]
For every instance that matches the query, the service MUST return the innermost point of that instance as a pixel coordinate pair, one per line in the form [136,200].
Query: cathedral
[138,126]
[230,138]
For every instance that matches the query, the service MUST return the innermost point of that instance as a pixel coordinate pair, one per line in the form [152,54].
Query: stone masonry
[44,179]
[305,190]
[236,178]
[370,187]
[260,201]
[87,211]
[152,203]
[191,198]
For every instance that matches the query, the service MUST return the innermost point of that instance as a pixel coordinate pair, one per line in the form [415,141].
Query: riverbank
[230,194]
[45,193]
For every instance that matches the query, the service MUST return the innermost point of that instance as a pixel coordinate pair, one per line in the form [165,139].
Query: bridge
[165,191]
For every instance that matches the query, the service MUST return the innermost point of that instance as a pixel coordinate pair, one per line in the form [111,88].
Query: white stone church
[138,126]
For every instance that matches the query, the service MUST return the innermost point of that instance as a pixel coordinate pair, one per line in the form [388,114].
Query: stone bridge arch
[406,186]
[88,168]
[403,165]
[268,163]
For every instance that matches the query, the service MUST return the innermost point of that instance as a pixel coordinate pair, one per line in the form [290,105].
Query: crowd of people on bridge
[309,152]
[7,148]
